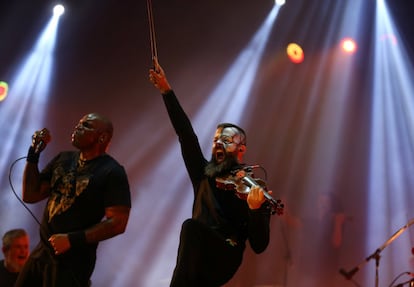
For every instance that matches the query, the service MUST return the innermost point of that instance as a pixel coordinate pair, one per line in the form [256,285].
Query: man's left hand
[255,198]
[60,243]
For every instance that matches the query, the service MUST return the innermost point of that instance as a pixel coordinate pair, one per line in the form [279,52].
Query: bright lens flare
[295,53]
[349,46]
[4,87]
[58,10]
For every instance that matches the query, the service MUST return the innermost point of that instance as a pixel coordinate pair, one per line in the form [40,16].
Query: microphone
[249,168]
[39,147]
[43,136]
[348,275]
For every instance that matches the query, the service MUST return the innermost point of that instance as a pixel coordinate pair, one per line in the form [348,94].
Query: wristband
[77,238]
[32,156]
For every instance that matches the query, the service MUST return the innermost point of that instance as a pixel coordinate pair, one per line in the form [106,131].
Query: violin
[241,181]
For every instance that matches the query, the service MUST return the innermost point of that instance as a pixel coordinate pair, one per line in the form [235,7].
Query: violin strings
[153,42]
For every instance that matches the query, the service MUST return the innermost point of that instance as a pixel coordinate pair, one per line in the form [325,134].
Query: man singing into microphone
[212,242]
[88,200]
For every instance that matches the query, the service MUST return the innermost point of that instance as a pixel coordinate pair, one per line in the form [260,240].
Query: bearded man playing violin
[213,241]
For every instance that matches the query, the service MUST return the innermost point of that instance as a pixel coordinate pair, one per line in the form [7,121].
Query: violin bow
[153,42]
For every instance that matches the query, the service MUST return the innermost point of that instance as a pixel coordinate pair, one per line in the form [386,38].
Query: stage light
[390,167]
[235,87]
[4,87]
[58,10]
[348,45]
[280,2]
[391,38]
[25,109]
[295,53]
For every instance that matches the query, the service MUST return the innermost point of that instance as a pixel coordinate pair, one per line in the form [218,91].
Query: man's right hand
[40,139]
[158,78]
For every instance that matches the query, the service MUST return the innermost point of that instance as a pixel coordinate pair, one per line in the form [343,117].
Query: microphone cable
[14,191]
[76,281]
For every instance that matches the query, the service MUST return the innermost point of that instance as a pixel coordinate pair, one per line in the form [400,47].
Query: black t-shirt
[7,278]
[79,196]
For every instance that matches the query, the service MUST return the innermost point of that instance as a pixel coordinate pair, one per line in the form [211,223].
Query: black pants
[43,270]
[204,258]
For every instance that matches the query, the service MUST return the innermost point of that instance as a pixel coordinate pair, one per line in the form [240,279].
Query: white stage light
[58,10]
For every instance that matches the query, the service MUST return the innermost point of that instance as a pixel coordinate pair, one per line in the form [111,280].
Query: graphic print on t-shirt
[66,186]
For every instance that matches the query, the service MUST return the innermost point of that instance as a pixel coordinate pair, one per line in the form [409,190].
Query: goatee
[214,169]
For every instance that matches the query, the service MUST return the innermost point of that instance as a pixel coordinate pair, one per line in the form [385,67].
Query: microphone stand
[376,255]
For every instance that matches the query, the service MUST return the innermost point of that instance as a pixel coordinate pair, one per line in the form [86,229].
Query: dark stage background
[101,63]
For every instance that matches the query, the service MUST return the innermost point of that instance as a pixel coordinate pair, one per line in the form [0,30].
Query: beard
[214,169]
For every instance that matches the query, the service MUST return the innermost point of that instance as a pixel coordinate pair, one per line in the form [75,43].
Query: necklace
[82,163]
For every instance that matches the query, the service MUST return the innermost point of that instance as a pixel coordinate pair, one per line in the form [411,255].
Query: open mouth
[22,257]
[220,155]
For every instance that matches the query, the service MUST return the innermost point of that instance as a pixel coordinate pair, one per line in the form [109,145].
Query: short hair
[12,234]
[240,130]
[107,123]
